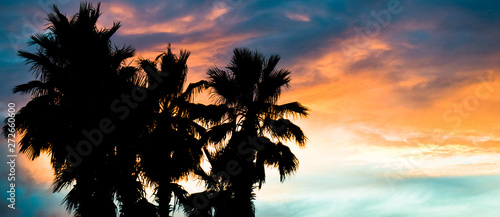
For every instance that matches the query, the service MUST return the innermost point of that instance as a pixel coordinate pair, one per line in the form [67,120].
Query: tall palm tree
[173,144]
[79,73]
[251,137]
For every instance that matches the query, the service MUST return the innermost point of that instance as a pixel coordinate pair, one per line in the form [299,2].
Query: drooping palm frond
[180,195]
[219,133]
[35,88]
[293,109]
[192,89]
[284,129]
[42,66]
[71,200]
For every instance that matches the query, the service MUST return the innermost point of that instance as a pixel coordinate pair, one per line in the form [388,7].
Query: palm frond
[224,86]
[285,129]
[292,109]
[193,89]
[219,133]
[270,65]
[269,89]
[35,88]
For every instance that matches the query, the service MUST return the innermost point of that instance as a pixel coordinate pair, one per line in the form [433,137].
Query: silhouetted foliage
[252,134]
[79,73]
[173,145]
[111,130]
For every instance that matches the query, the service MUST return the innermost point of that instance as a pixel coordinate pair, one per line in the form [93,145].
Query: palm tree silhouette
[256,124]
[78,75]
[175,124]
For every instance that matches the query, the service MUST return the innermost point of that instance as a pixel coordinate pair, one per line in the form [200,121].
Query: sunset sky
[404,96]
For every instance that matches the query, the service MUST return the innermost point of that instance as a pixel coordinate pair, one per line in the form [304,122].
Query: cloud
[366,193]
[385,100]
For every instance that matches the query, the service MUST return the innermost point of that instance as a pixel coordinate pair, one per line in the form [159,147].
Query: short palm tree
[251,136]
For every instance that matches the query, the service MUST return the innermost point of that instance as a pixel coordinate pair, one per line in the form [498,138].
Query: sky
[403,96]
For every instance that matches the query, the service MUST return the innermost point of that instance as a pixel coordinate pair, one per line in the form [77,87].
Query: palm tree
[173,144]
[251,137]
[78,75]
